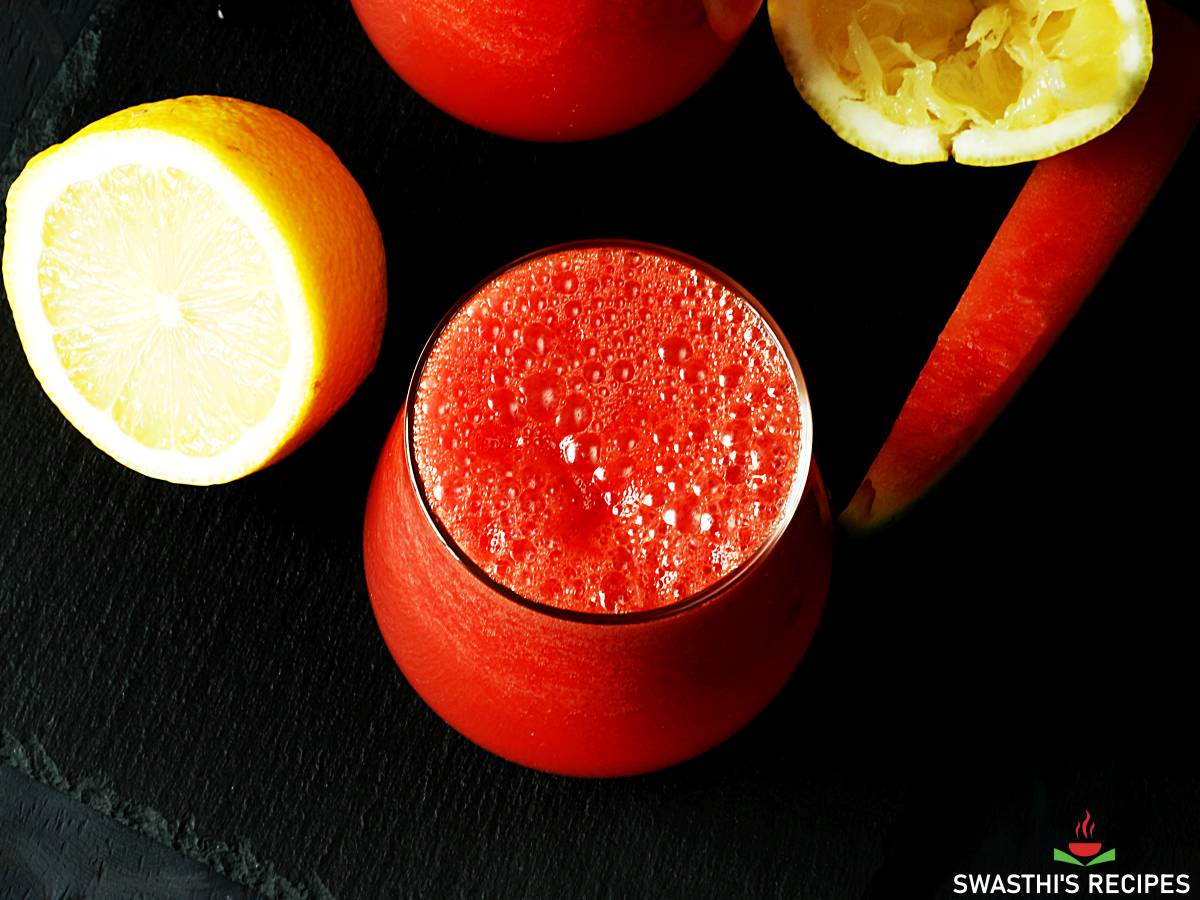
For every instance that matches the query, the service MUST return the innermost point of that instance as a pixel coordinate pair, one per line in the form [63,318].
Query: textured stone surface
[51,846]
[35,37]
[1009,654]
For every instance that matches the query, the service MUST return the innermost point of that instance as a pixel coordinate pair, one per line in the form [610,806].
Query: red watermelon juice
[596,542]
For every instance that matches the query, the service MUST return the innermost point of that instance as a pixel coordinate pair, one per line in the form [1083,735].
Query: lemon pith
[198,284]
[986,82]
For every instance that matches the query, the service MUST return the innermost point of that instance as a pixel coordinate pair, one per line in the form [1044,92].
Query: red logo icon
[1085,830]
[1084,850]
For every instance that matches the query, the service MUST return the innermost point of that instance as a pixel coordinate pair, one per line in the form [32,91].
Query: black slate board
[1011,653]
[51,846]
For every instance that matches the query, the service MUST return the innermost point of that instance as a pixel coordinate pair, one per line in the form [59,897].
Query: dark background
[1019,648]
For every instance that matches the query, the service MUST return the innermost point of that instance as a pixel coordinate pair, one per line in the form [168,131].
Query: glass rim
[800,479]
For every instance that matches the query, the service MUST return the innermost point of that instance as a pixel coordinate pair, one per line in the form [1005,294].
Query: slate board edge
[237,861]
[72,79]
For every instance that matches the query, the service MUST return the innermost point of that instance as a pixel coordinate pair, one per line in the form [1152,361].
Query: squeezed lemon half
[988,83]
[198,284]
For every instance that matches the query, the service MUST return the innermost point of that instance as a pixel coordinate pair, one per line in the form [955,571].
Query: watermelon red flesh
[1065,227]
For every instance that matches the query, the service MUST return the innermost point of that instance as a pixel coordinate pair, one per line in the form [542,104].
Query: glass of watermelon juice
[555,70]
[597,542]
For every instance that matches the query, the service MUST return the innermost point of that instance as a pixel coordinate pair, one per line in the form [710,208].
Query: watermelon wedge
[1067,224]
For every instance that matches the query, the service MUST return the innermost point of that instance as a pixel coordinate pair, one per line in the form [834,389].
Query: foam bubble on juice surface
[607,429]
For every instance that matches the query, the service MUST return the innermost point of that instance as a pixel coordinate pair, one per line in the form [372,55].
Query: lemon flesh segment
[162,308]
[987,82]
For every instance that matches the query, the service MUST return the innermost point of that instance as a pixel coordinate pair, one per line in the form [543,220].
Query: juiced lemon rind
[859,124]
[996,147]
[834,101]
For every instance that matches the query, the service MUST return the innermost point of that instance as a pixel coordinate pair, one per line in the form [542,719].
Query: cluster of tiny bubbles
[607,429]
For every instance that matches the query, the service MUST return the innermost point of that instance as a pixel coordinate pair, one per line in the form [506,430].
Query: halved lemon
[988,82]
[198,284]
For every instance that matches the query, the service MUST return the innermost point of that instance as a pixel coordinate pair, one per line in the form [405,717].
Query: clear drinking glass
[583,692]
[555,70]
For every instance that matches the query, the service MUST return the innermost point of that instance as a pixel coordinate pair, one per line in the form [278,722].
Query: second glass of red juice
[597,542]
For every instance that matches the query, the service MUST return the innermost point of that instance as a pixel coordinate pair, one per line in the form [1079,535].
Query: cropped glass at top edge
[799,478]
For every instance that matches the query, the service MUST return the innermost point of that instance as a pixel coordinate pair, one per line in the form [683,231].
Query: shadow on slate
[53,846]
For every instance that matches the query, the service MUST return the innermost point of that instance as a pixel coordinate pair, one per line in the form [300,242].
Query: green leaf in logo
[1106,856]
[1061,856]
